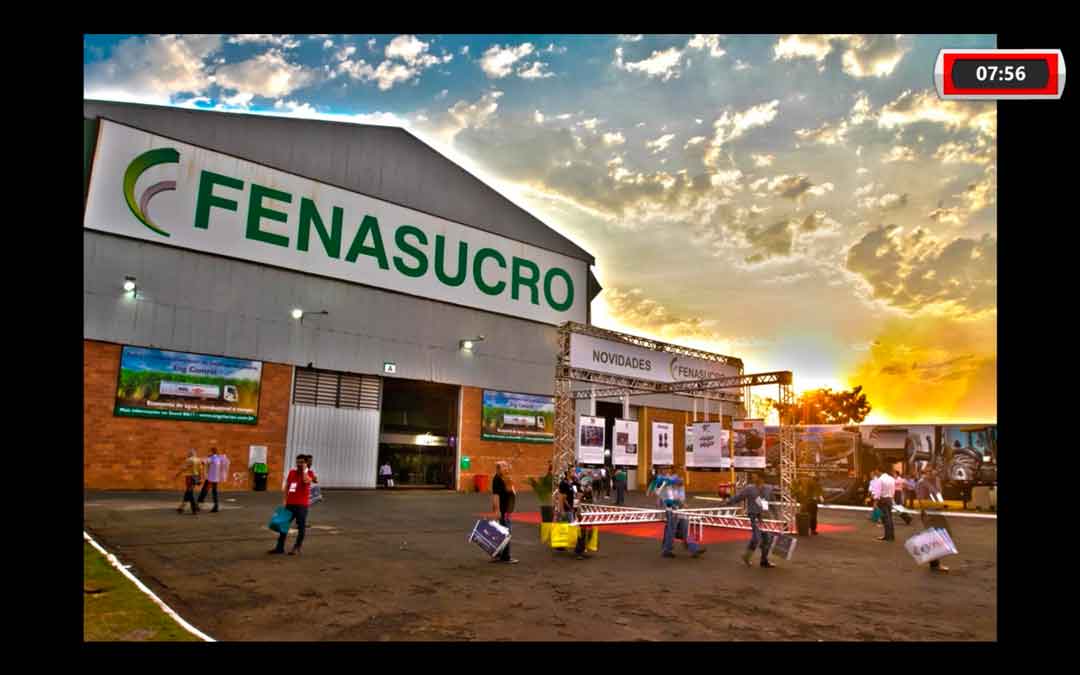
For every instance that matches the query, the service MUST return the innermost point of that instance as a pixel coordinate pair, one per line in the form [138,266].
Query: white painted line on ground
[142,587]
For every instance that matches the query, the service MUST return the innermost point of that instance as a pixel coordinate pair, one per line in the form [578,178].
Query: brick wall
[127,453]
[533,460]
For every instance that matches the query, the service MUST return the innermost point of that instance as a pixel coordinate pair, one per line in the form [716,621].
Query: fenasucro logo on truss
[137,168]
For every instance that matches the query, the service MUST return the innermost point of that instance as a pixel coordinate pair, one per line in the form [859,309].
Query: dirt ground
[381,566]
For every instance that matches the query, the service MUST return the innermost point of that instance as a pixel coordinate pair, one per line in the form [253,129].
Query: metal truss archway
[604,385]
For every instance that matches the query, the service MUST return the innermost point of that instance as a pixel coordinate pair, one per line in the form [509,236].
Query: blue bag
[281,520]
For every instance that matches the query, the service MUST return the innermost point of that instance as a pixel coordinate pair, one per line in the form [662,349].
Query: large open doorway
[418,437]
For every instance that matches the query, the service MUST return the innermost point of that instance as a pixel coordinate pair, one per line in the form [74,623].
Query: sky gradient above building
[802,202]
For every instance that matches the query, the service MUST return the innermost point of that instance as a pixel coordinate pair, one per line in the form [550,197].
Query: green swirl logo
[131,176]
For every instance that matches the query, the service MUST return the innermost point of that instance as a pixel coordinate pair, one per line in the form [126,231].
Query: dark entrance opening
[419,433]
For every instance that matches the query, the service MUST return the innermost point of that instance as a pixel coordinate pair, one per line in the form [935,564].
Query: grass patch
[115,610]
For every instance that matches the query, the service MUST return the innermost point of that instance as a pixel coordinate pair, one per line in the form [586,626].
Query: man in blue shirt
[751,494]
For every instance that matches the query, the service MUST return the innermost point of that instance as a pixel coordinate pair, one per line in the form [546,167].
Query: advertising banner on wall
[620,358]
[663,441]
[624,446]
[590,440]
[180,386]
[160,190]
[712,447]
[749,441]
[524,418]
[688,441]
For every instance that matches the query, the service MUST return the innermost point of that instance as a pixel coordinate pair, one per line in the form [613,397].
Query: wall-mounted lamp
[129,284]
[299,314]
[468,343]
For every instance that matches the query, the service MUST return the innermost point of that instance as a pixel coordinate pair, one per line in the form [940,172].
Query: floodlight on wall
[300,314]
[129,284]
[468,343]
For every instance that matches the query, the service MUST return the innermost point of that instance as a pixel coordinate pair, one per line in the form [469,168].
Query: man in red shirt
[297,500]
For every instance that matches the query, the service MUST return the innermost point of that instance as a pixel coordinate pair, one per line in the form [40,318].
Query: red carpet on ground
[713,535]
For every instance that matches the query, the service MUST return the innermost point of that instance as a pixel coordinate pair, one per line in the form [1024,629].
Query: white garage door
[334,417]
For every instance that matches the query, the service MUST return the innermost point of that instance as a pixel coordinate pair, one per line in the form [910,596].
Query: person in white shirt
[217,469]
[386,474]
[873,492]
[886,488]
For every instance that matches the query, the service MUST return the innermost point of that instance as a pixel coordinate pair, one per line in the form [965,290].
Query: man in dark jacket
[751,494]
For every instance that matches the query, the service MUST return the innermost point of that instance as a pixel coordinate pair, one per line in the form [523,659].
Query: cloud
[916,273]
[874,55]
[413,52]
[498,62]
[887,202]
[710,42]
[865,190]
[269,75]
[552,49]
[535,71]
[614,138]
[631,38]
[925,106]
[821,190]
[928,369]
[957,153]
[762,161]
[280,41]
[327,44]
[946,216]
[826,134]
[731,126]
[790,187]
[662,64]
[770,241]
[475,115]
[862,55]
[899,154]
[644,316]
[696,140]
[153,69]
[660,144]
[239,100]
[981,193]
[741,65]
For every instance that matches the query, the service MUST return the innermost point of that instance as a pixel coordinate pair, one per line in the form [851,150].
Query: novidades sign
[620,358]
[156,189]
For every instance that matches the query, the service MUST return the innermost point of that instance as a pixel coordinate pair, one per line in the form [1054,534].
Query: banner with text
[663,442]
[590,440]
[168,385]
[619,358]
[163,191]
[749,444]
[624,448]
[712,448]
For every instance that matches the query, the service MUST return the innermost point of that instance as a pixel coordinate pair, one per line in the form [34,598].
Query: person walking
[620,487]
[503,496]
[217,470]
[386,475]
[873,494]
[811,494]
[886,488]
[297,500]
[754,495]
[192,471]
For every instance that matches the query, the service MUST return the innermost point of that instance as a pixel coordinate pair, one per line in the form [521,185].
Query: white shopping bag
[929,545]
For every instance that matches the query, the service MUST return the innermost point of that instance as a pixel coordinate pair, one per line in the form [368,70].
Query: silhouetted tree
[825,406]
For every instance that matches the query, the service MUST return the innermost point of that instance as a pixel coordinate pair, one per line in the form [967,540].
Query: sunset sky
[803,202]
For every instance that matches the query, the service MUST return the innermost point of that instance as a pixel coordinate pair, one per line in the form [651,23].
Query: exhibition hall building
[272,286]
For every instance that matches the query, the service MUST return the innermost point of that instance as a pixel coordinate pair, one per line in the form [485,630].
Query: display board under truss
[605,383]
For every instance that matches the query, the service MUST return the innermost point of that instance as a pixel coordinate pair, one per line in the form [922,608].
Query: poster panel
[712,449]
[624,447]
[749,441]
[523,418]
[161,384]
[663,438]
[590,440]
